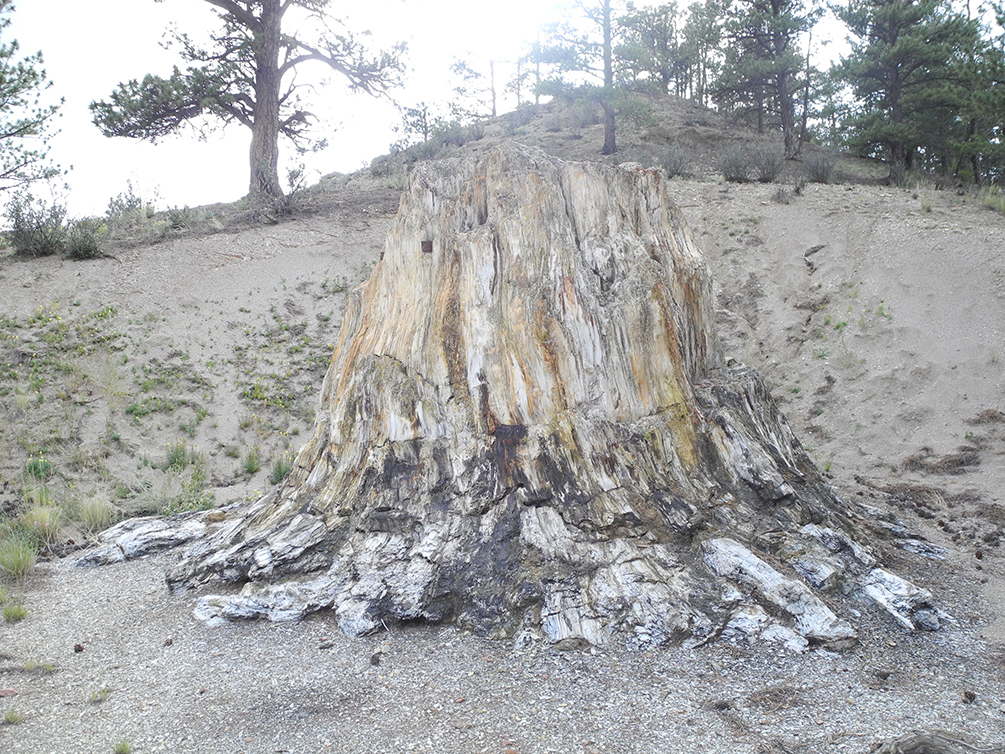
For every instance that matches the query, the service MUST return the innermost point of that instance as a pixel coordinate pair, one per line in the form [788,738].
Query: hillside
[184,373]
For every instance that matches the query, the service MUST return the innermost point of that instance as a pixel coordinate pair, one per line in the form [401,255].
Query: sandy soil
[876,315]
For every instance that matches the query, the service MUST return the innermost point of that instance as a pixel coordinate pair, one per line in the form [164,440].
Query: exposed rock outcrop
[528,425]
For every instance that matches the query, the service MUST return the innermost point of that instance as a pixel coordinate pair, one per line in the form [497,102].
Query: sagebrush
[37,229]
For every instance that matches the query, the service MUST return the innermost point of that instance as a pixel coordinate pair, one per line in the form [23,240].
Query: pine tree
[977,146]
[651,51]
[702,37]
[25,123]
[584,51]
[905,70]
[763,62]
[246,76]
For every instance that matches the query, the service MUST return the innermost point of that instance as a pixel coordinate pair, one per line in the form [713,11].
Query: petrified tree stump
[528,425]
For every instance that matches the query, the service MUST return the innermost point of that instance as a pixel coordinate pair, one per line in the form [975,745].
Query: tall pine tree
[247,76]
[906,72]
[25,122]
[763,62]
[581,50]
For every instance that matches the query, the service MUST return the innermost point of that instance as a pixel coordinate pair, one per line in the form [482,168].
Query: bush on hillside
[84,238]
[742,163]
[820,167]
[733,163]
[36,228]
[676,161]
[766,161]
[128,209]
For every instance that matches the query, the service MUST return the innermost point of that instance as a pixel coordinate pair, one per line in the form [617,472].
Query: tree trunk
[610,145]
[492,85]
[975,159]
[786,111]
[527,425]
[806,96]
[265,185]
[899,156]
[898,163]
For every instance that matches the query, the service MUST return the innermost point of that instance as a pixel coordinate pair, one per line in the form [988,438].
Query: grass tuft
[44,523]
[96,513]
[280,468]
[99,695]
[253,460]
[17,556]
[14,612]
[993,197]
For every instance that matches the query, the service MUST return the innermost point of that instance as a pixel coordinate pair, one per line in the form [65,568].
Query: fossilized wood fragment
[527,424]
[141,536]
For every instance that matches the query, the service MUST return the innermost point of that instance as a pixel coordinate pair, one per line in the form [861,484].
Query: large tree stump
[528,425]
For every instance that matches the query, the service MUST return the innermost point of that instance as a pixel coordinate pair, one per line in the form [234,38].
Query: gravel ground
[150,675]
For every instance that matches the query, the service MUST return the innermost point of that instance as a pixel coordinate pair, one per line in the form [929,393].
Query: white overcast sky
[89,47]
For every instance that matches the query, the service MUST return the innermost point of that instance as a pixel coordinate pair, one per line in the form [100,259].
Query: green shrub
[191,499]
[17,556]
[39,468]
[732,161]
[177,457]
[426,150]
[766,161]
[385,165]
[193,496]
[451,133]
[12,717]
[84,239]
[522,116]
[128,208]
[584,114]
[676,161]
[552,123]
[14,612]
[636,111]
[122,747]
[96,513]
[36,229]
[253,460]
[820,167]
[280,468]
[182,217]
[475,131]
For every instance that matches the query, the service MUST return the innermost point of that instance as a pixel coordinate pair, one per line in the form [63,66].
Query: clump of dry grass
[988,416]
[951,463]
[43,521]
[992,197]
[96,513]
